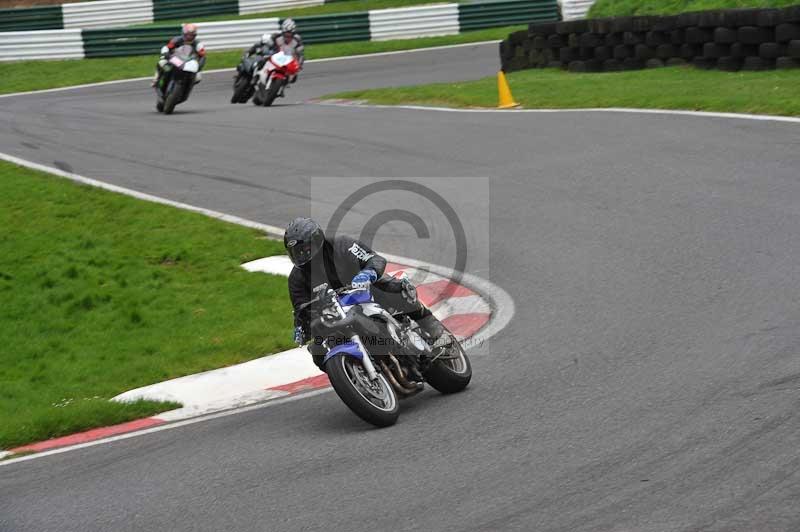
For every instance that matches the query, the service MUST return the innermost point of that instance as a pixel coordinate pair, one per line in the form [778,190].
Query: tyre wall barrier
[380,24]
[732,40]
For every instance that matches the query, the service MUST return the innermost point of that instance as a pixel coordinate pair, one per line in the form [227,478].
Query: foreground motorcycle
[243,86]
[177,80]
[373,357]
[275,76]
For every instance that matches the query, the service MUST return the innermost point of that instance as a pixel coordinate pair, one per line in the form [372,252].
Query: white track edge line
[633,110]
[231,69]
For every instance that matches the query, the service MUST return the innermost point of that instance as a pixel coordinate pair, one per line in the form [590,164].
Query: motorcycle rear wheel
[452,372]
[373,401]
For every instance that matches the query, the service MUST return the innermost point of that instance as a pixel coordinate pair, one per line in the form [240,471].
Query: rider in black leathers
[340,261]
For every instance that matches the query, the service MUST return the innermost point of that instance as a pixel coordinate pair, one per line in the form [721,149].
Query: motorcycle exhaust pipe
[402,377]
[399,388]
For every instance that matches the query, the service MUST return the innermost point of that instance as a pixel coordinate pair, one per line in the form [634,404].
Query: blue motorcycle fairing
[349,348]
[355,298]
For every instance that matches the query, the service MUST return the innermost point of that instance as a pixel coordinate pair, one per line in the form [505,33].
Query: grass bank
[103,293]
[773,92]
[619,8]
[22,76]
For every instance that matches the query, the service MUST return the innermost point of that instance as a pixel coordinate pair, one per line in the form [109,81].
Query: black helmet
[303,239]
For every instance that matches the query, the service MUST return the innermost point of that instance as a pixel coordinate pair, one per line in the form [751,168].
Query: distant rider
[188,36]
[341,261]
[287,41]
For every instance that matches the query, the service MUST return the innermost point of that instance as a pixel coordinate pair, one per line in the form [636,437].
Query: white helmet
[288,25]
[266,39]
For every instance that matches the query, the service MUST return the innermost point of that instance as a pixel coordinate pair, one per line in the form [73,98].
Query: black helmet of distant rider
[303,240]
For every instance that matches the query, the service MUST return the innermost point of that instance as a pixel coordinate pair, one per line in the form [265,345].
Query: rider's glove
[298,335]
[409,291]
[364,278]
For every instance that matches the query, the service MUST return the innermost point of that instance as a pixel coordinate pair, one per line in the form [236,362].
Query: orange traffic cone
[506,100]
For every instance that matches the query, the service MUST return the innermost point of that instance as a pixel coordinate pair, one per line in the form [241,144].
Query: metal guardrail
[235,34]
[188,9]
[334,28]
[247,7]
[411,22]
[126,41]
[107,13]
[491,14]
[31,18]
[382,24]
[116,13]
[53,44]
[575,9]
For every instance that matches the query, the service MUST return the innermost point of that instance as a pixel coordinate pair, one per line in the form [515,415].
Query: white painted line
[214,71]
[460,305]
[168,426]
[269,229]
[703,114]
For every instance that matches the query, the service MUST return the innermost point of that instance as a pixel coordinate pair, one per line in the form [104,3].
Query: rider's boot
[318,353]
[434,329]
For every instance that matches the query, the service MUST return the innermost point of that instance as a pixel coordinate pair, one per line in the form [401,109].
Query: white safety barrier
[234,34]
[413,22]
[107,13]
[575,9]
[260,6]
[48,44]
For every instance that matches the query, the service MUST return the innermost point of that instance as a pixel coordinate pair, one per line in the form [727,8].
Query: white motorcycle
[180,74]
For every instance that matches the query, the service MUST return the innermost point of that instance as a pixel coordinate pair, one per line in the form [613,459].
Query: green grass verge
[102,293]
[619,8]
[773,92]
[23,76]
[344,6]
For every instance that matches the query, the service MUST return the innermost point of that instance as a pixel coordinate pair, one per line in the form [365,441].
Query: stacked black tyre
[732,40]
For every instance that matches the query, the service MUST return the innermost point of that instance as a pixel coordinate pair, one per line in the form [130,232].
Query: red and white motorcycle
[275,76]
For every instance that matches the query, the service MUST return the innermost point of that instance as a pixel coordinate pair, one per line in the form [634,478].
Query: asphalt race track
[649,381]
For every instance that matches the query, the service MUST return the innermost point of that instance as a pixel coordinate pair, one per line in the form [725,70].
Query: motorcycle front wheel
[373,401]
[258,96]
[272,91]
[240,90]
[173,98]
